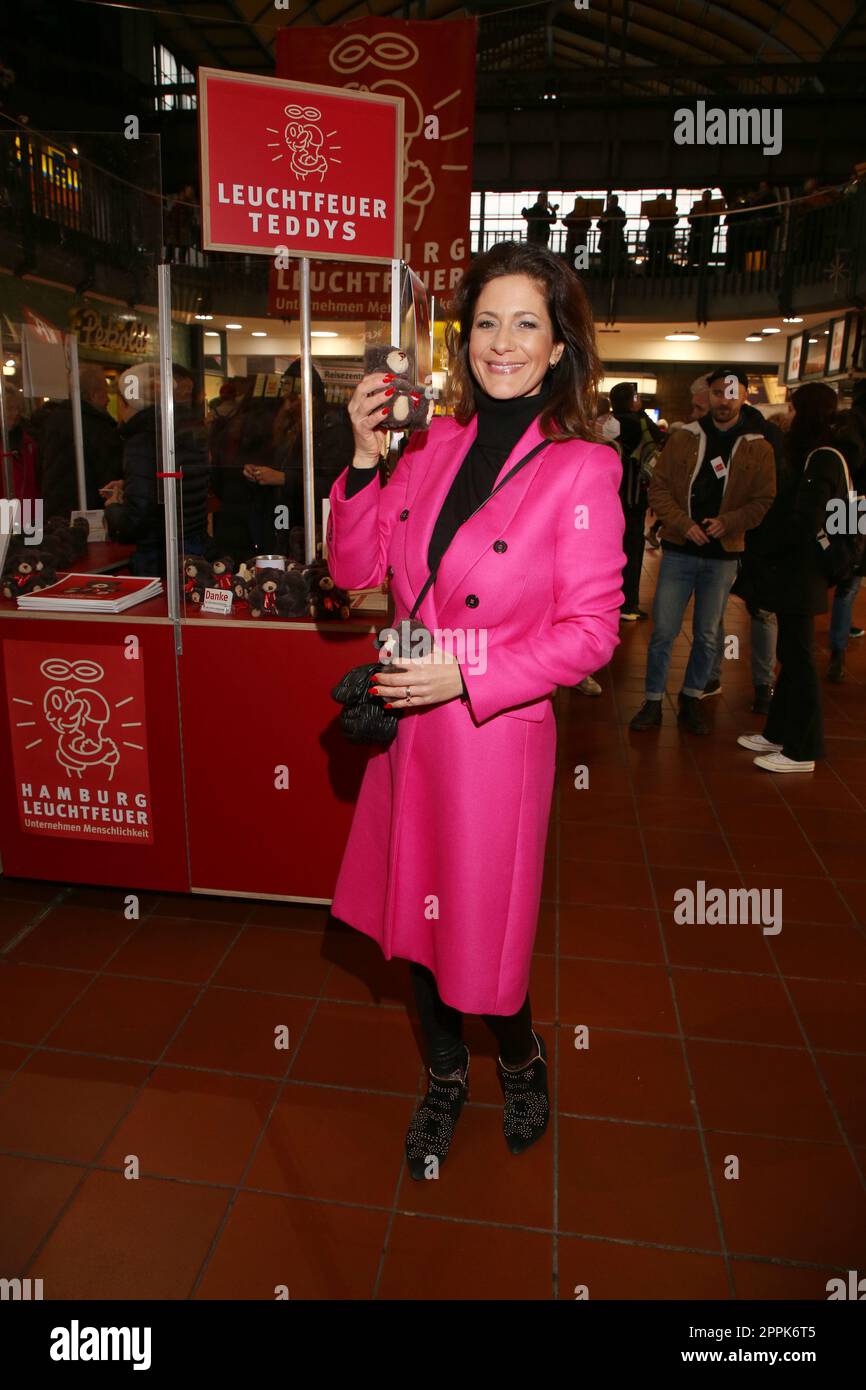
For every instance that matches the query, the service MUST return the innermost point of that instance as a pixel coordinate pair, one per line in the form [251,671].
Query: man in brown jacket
[715,480]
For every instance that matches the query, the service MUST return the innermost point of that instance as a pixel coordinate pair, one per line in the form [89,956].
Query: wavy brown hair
[571,406]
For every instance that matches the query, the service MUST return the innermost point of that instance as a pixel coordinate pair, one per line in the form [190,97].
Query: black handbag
[364,718]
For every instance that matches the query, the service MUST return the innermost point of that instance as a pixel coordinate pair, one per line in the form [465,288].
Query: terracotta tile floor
[258,1068]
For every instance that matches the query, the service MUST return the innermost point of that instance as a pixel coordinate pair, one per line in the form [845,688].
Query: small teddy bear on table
[324,599]
[278,594]
[223,572]
[27,573]
[408,407]
[198,575]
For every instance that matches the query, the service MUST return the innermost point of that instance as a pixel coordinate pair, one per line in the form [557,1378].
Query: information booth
[165,746]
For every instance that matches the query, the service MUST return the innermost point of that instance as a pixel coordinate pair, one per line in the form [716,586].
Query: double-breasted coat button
[404,513]
[471,600]
[390,571]
[499,546]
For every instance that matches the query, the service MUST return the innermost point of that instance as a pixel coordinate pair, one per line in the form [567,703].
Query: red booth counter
[271,782]
[90,751]
[221,769]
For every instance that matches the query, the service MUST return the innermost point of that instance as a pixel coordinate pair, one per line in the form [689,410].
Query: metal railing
[796,245]
[46,200]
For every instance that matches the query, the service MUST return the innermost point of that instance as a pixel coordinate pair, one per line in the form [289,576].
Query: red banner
[288,164]
[79,746]
[431,65]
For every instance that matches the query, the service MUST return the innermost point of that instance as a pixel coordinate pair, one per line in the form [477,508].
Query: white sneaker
[758,743]
[777,762]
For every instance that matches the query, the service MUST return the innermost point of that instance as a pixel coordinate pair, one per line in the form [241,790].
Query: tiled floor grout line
[275,1101]
[398,1006]
[693,1097]
[136,1096]
[394,1209]
[58,900]
[783,981]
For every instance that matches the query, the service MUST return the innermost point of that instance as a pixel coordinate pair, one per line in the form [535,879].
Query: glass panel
[81,224]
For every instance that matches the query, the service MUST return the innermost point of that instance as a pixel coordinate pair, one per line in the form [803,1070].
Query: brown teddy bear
[277,594]
[28,572]
[408,407]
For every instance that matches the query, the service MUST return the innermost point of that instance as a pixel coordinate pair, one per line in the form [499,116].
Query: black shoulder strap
[510,474]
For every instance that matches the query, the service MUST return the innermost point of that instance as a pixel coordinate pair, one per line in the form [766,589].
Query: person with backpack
[640,441]
[800,557]
[851,439]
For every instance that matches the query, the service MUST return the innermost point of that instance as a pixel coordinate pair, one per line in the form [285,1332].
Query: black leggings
[443,1027]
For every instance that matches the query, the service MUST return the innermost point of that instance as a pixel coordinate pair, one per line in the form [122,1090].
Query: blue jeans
[764,632]
[840,616]
[680,576]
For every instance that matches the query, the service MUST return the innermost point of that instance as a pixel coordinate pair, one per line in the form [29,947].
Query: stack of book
[92,593]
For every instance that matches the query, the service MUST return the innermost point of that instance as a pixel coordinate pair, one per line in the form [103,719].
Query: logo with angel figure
[79,716]
[303,142]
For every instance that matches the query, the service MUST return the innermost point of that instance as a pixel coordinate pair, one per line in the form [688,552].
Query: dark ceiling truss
[613,37]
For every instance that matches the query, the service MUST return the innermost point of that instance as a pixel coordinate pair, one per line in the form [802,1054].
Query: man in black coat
[134,511]
[103,450]
[634,426]
[764,628]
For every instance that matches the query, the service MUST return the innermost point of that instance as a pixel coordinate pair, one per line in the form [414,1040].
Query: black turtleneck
[500,424]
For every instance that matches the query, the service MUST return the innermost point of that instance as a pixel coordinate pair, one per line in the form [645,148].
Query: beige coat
[749,489]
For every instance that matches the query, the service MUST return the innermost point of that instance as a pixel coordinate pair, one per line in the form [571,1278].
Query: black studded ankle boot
[432,1128]
[527,1103]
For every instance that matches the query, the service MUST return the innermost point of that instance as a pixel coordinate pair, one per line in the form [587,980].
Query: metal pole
[77,424]
[307,415]
[396,317]
[166,418]
[395,303]
[8,477]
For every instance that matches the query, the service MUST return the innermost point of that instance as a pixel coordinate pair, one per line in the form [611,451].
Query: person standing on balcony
[539,218]
[702,231]
[714,481]
[660,234]
[611,242]
[578,229]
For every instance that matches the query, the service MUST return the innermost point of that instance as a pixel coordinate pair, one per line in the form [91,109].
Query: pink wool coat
[444,860]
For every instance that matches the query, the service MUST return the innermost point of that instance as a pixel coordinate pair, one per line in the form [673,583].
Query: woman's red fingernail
[387,706]
[388,378]
[389,393]
[384,410]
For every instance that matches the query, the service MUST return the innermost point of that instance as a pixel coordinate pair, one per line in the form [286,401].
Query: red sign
[312,169]
[432,67]
[79,745]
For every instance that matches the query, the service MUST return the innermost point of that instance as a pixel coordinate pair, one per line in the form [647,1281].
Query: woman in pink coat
[444,860]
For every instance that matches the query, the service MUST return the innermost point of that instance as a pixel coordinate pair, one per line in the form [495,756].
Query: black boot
[836,669]
[527,1103]
[689,716]
[432,1128]
[649,716]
